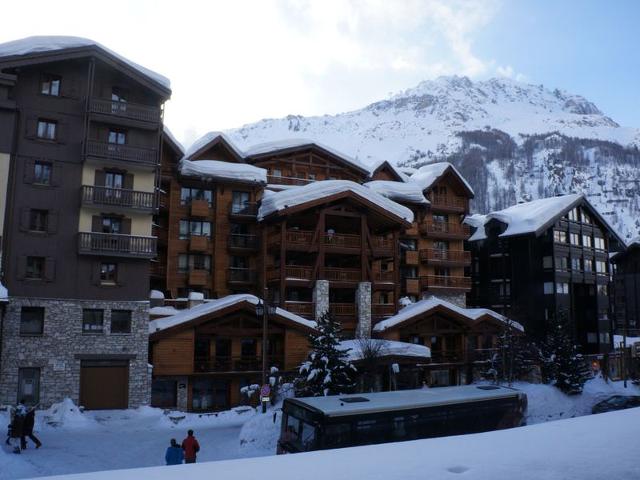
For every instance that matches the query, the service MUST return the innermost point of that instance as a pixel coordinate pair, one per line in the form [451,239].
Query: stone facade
[59,350]
[321,298]
[459,299]
[363,310]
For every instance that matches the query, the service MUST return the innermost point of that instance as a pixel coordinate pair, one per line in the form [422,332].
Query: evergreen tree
[513,358]
[327,370]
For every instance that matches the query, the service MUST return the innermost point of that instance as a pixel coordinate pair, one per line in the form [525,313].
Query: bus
[320,423]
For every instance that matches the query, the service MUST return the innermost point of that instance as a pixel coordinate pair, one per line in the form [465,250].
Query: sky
[239,61]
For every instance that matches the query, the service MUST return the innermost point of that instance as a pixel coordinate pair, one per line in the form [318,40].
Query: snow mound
[259,435]
[156,294]
[67,415]
[398,191]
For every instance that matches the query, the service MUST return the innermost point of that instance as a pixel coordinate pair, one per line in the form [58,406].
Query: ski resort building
[626,291]
[546,260]
[80,130]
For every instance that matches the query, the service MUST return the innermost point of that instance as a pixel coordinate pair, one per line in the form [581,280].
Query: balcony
[132,111]
[242,242]
[198,278]
[381,310]
[429,282]
[297,237]
[198,243]
[342,240]
[242,363]
[123,153]
[386,276]
[241,276]
[448,203]
[382,245]
[342,274]
[280,180]
[446,356]
[115,245]
[342,309]
[291,272]
[199,208]
[304,309]
[411,257]
[438,256]
[412,286]
[448,230]
[248,210]
[118,197]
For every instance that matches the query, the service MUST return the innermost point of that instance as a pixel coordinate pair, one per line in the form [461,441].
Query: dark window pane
[92,321]
[38,220]
[108,273]
[120,321]
[31,320]
[29,385]
[42,173]
[35,267]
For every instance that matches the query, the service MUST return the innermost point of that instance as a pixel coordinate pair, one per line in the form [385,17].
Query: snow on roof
[424,306]
[43,44]
[427,175]
[4,293]
[215,305]
[156,294]
[528,217]
[196,296]
[269,147]
[163,311]
[634,241]
[388,348]
[380,162]
[408,171]
[173,139]
[215,169]
[276,201]
[398,191]
[208,138]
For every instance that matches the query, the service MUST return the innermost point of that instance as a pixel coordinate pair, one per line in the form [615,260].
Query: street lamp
[263,309]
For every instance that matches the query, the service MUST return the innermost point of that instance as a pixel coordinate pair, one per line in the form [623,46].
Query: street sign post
[265,396]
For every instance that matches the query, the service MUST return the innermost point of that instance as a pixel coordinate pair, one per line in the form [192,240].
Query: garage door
[104,385]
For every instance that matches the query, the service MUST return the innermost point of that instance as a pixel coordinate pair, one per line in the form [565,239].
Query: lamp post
[263,309]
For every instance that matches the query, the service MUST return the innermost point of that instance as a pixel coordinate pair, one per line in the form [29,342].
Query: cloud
[509,72]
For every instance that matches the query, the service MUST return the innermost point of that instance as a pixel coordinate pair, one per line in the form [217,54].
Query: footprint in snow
[458,469]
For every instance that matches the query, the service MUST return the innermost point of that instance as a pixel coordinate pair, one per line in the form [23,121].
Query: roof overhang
[226,144]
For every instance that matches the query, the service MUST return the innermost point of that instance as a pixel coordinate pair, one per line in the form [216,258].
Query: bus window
[307,436]
[337,435]
[298,433]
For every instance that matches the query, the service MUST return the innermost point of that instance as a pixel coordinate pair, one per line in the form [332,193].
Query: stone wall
[321,298]
[459,299]
[363,310]
[56,351]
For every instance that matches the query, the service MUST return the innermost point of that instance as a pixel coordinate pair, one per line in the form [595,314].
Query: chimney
[156,299]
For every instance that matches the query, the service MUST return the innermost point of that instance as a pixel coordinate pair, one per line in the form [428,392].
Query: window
[187,195]
[559,236]
[586,241]
[248,347]
[31,321]
[601,267]
[118,95]
[240,202]
[588,265]
[547,262]
[585,217]
[183,262]
[194,262]
[438,218]
[120,321]
[441,245]
[113,180]
[573,215]
[574,239]
[42,173]
[599,243]
[35,268]
[38,220]
[548,288]
[562,288]
[276,172]
[117,137]
[190,228]
[576,264]
[409,244]
[50,85]
[47,129]
[311,177]
[92,320]
[108,273]
[29,385]
[562,263]
[111,225]
[603,290]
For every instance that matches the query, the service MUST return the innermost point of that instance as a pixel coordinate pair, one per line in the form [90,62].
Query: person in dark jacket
[27,429]
[191,447]
[175,454]
[17,423]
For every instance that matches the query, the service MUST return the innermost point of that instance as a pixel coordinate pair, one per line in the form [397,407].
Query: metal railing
[117,245]
[120,197]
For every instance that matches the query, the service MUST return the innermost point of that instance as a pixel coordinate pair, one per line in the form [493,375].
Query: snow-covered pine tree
[513,358]
[327,370]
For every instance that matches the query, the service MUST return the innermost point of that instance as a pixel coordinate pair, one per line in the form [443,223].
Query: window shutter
[99,178]
[29,165]
[22,267]
[95,273]
[49,269]
[52,221]
[25,216]
[126,226]
[128,181]
[31,126]
[56,174]
[96,223]
[121,273]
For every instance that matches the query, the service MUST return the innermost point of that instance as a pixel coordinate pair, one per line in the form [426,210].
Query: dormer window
[50,85]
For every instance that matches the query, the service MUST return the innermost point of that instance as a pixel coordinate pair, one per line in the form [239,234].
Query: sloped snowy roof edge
[427,175]
[215,169]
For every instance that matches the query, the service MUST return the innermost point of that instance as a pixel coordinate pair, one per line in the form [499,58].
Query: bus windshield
[298,434]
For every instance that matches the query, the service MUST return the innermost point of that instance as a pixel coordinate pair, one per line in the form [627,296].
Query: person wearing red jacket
[191,447]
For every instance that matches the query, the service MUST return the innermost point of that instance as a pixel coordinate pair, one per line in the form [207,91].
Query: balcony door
[113,183]
[240,202]
[223,354]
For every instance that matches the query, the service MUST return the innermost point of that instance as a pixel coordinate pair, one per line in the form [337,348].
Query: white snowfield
[43,44]
[276,201]
[398,191]
[217,170]
[596,447]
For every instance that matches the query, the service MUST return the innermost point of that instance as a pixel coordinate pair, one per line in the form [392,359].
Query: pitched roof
[210,139]
[210,307]
[428,175]
[217,170]
[274,202]
[433,304]
[380,164]
[172,141]
[398,191]
[43,46]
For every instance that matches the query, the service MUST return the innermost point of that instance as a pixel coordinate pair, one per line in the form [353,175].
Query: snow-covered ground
[110,440]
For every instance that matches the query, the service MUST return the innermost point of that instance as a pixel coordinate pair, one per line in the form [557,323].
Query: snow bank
[398,191]
[42,44]
[215,169]
[388,348]
[66,415]
[156,294]
[427,175]
[587,448]
[276,201]
[163,311]
[259,435]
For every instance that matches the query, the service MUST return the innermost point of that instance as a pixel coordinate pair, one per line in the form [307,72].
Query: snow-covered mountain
[513,141]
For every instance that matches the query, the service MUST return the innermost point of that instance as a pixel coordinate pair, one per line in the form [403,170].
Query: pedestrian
[27,429]
[174,455]
[17,423]
[191,447]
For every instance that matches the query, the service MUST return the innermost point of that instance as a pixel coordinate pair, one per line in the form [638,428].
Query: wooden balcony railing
[448,202]
[198,278]
[387,276]
[198,243]
[93,243]
[241,363]
[446,356]
[382,243]
[442,281]
[249,209]
[125,153]
[134,111]
[449,257]
[241,275]
[383,309]
[237,240]
[342,309]
[304,309]
[412,286]
[117,197]
[292,272]
[342,274]
[342,240]
[445,230]
[411,257]
[280,180]
[298,237]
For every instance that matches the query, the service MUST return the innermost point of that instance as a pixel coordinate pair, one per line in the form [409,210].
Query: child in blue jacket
[174,455]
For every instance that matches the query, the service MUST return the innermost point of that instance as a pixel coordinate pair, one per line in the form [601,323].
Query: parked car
[616,402]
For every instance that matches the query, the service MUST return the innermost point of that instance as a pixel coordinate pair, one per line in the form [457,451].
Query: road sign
[265,391]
